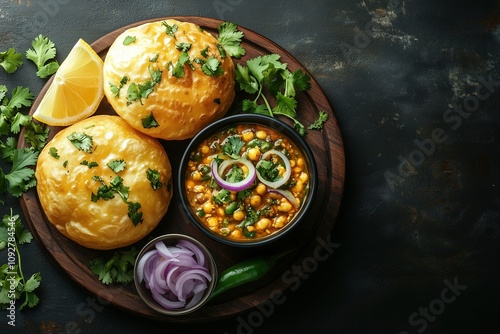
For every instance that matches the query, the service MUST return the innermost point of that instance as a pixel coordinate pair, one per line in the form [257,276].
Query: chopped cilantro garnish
[183,46]
[81,141]
[90,165]
[116,89]
[170,29]
[212,67]
[129,40]
[233,147]
[204,52]
[133,212]
[223,196]
[154,178]
[116,186]
[117,165]
[149,122]
[53,152]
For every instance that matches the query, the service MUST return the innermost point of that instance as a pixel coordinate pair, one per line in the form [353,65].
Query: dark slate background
[415,86]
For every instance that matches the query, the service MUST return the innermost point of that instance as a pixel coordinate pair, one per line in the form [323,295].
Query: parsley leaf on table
[43,51]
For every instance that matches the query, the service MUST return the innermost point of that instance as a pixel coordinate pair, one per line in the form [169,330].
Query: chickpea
[196,176]
[285,206]
[297,170]
[298,187]
[199,189]
[255,200]
[300,162]
[239,215]
[200,198]
[262,224]
[212,222]
[261,189]
[261,134]
[254,154]
[279,222]
[244,169]
[250,228]
[232,196]
[220,212]
[190,184]
[236,234]
[205,149]
[303,177]
[247,136]
[207,207]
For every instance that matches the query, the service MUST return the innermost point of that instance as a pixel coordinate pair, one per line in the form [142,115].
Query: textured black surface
[416,88]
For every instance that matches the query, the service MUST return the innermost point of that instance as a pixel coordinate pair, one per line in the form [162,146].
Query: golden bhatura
[102,183]
[168,79]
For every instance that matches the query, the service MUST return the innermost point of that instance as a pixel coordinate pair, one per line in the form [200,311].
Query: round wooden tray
[309,242]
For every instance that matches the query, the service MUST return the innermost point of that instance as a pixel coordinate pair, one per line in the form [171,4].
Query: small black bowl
[266,121]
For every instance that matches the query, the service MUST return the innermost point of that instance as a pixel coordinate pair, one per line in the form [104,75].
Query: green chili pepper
[244,272]
[231,208]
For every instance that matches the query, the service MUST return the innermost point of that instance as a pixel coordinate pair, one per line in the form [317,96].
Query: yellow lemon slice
[76,90]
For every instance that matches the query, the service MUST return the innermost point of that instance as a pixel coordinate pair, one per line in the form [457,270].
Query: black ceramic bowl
[228,124]
[172,240]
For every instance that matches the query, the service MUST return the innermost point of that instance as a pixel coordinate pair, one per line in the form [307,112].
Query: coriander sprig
[13,284]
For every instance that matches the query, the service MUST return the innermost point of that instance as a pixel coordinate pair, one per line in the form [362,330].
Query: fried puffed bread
[168,79]
[103,184]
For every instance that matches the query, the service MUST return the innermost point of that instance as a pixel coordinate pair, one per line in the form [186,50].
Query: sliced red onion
[233,186]
[176,275]
[287,194]
[200,257]
[288,169]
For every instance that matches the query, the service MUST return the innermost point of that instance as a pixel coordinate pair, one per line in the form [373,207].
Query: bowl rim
[142,290]
[264,120]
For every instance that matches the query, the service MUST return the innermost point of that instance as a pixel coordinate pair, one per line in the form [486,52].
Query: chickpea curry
[246,182]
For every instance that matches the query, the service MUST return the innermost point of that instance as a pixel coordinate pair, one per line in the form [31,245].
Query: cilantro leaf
[212,67]
[81,141]
[170,29]
[21,176]
[320,121]
[268,78]
[230,38]
[43,50]
[47,70]
[233,147]
[117,269]
[10,60]
[149,122]
[117,165]
[13,284]
[129,40]
[154,178]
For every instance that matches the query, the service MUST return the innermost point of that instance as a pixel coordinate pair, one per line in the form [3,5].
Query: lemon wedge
[76,90]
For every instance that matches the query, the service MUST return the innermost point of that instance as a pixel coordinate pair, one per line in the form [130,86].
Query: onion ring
[233,186]
[288,170]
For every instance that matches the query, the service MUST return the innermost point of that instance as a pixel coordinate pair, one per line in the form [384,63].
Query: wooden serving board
[307,240]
